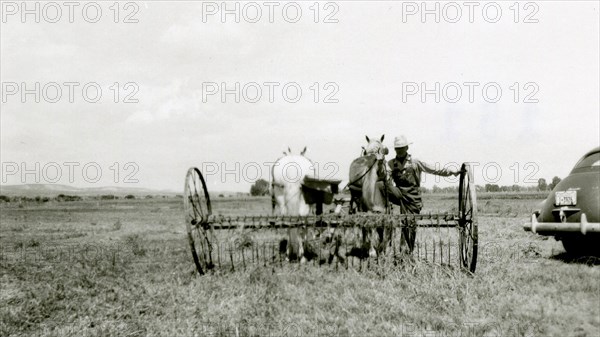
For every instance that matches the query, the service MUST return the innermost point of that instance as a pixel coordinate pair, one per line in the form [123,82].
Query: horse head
[375,147]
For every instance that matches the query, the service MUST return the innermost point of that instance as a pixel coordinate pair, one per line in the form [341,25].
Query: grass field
[124,268]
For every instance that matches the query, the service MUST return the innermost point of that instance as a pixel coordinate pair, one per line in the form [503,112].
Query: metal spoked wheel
[467,220]
[196,204]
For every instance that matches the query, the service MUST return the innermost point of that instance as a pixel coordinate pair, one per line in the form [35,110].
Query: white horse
[287,175]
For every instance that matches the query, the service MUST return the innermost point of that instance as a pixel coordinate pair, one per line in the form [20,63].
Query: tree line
[66,198]
[261,187]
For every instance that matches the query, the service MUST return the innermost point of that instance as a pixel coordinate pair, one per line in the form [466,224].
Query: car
[571,213]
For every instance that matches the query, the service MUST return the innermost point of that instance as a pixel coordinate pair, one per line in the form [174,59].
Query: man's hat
[401,141]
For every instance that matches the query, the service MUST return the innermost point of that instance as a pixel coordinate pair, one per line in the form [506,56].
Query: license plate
[565,198]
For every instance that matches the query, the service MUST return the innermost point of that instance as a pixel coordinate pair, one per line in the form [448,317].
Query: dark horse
[365,171]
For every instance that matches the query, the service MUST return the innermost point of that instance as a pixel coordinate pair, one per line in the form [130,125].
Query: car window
[589,161]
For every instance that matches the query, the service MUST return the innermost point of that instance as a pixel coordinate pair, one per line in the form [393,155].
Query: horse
[291,196]
[365,171]
[287,175]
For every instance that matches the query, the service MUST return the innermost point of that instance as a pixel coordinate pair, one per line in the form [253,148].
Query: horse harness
[351,184]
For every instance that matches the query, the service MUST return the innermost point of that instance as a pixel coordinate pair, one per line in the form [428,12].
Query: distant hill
[51,190]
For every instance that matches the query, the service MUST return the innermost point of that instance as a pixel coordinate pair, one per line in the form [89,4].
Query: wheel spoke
[469,212]
[202,248]
[197,209]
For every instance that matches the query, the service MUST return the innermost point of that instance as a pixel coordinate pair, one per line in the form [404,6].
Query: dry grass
[68,270]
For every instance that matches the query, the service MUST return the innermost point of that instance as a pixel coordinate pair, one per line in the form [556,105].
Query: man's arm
[445,172]
[390,164]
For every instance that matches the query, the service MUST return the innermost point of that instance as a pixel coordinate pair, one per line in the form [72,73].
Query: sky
[160,88]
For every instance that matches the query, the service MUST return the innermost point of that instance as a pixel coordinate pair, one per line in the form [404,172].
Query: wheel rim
[197,208]
[467,210]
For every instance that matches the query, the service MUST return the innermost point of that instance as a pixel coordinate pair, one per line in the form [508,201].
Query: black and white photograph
[300,168]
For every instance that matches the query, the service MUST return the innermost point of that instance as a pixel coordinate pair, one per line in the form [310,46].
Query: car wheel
[581,245]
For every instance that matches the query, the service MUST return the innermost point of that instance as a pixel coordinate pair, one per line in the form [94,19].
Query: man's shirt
[408,174]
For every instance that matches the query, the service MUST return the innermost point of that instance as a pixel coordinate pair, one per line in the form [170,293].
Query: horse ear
[303,151]
[368,140]
[289,151]
[284,153]
[382,136]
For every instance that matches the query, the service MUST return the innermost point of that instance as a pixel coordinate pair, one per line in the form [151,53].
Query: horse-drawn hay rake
[233,242]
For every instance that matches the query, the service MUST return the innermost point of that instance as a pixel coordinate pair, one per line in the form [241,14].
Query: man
[405,191]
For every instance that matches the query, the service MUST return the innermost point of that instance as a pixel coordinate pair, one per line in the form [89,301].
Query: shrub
[63,197]
[136,243]
[260,187]
[117,225]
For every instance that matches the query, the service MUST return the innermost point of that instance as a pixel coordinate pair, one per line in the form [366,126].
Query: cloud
[368,54]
